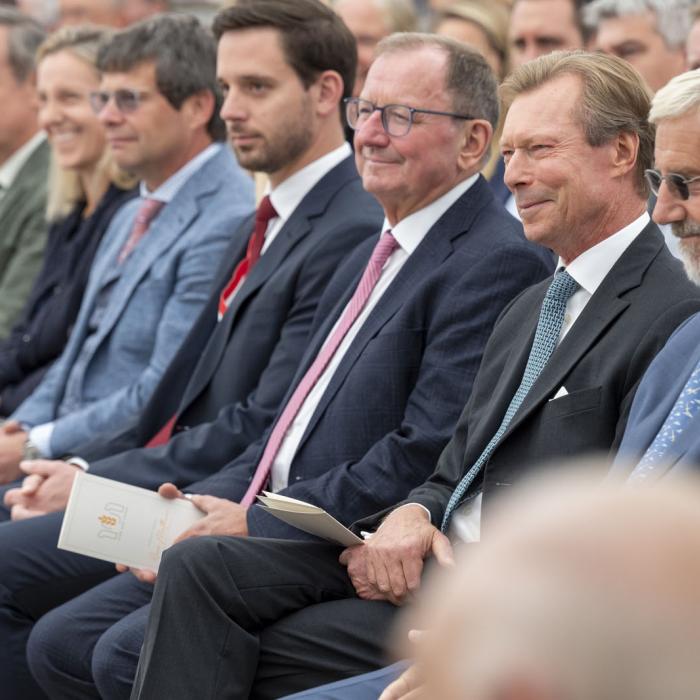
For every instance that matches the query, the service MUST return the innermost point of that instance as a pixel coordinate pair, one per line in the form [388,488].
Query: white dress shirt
[408,233]
[589,269]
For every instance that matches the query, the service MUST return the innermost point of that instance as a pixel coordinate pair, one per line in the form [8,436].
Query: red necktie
[382,251]
[263,215]
[147,212]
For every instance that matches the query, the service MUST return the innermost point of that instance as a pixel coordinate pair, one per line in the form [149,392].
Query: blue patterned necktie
[687,406]
[546,339]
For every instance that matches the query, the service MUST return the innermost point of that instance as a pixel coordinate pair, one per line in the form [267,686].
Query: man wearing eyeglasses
[557,378]
[662,435]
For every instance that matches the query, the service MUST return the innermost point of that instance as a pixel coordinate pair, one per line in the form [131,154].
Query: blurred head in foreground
[577,592]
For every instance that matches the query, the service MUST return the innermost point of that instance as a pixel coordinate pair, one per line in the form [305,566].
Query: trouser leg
[213,600]
[35,577]
[62,664]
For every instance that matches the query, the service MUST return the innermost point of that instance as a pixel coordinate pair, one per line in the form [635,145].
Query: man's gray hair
[469,79]
[23,39]
[678,97]
[672,16]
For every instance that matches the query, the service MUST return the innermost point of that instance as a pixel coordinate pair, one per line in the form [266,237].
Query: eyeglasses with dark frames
[397,120]
[677,184]
[125,100]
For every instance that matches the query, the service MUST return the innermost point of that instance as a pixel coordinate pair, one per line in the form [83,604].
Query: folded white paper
[308,518]
[121,523]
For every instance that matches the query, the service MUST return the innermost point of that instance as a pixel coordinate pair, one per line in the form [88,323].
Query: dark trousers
[255,618]
[36,577]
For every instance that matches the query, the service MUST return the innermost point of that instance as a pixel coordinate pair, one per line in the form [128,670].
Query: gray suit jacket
[163,286]
[23,230]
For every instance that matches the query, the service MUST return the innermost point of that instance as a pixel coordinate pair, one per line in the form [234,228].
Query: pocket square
[562,392]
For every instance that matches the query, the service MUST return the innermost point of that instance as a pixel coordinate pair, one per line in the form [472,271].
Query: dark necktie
[263,215]
[546,338]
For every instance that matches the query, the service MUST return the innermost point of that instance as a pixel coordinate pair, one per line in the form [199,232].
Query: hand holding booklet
[308,518]
[121,523]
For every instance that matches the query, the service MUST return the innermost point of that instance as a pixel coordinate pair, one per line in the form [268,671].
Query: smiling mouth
[528,206]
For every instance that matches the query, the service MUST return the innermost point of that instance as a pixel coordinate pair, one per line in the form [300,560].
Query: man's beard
[688,234]
[283,147]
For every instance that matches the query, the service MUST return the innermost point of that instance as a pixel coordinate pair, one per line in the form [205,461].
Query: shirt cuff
[79,462]
[40,435]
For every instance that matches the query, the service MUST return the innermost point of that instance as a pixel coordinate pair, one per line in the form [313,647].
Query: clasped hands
[389,565]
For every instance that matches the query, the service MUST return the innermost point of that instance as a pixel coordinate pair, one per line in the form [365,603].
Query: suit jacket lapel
[214,334]
[174,219]
[604,307]
[436,247]
[298,226]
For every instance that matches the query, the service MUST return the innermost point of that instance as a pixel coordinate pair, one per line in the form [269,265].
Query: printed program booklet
[121,523]
[309,518]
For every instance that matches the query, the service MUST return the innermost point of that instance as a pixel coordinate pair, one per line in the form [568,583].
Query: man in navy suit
[662,434]
[557,378]
[395,351]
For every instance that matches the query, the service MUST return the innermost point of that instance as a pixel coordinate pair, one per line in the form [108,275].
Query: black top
[40,335]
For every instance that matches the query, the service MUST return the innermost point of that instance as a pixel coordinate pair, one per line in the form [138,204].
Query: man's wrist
[78,462]
[30,451]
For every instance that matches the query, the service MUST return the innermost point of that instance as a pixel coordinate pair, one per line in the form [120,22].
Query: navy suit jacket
[600,362]
[657,393]
[228,379]
[393,401]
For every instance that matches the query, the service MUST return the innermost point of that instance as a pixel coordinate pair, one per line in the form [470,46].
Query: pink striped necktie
[382,251]
[147,212]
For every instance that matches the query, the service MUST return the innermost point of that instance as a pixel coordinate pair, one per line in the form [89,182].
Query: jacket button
[26,338]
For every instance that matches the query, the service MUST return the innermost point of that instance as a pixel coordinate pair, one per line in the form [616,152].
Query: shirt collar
[11,167]
[591,267]
[409,232]
[287,196]
[167,191]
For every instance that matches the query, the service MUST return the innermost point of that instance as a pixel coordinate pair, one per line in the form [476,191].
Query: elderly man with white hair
[649,34]
[662,433]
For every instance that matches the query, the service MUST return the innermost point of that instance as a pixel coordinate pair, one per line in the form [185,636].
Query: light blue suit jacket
[660,387]
[163,286]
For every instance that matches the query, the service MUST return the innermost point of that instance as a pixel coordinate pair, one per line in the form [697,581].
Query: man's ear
[199,108]
[474,144]
[624,149]
[328,91]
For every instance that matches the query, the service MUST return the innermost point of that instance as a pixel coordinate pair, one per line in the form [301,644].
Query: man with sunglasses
[662,434]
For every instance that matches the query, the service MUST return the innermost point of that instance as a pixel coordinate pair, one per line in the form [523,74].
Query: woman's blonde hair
[65,188]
